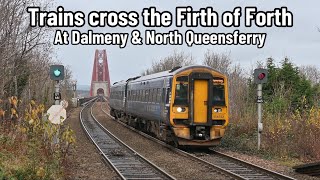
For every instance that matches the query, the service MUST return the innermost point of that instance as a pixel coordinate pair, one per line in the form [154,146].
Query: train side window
[181,95]
[143,95]
[163,95]
[151,95]
[154,95]
[128,95]
[167,95]
[136,95]
[147,95]
[218,95]
[155,91]
[158,95]
[132,95]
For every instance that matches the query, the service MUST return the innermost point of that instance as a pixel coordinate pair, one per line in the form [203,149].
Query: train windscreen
[218,95]
[181,95]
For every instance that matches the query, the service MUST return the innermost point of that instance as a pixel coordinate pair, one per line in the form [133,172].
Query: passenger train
[185,106]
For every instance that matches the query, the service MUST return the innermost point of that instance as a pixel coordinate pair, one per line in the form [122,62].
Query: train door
[200,101]
[200,95]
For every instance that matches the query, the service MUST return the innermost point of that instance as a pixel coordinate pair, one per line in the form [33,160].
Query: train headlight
[181,109]
[217,110]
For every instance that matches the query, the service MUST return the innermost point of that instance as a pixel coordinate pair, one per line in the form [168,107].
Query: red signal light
[261,76]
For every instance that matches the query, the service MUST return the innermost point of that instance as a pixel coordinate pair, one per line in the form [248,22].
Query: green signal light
[57,72]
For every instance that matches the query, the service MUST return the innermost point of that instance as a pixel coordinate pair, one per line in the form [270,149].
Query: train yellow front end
[199,106]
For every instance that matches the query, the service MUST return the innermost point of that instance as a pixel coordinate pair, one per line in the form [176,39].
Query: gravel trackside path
[84,162]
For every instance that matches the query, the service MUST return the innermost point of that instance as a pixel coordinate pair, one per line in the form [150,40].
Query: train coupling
[201,132]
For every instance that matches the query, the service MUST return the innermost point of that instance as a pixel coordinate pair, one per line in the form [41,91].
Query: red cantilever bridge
[100,83]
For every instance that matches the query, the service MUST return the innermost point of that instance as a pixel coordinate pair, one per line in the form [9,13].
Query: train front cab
[199,113]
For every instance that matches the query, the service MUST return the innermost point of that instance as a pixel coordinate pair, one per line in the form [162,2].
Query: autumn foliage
[31,146]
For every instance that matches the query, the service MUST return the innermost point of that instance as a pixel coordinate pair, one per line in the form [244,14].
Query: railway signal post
[56,74]
[260,77]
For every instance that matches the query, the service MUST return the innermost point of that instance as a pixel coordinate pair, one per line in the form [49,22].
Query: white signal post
[260,77]
[57,90]
[259,101]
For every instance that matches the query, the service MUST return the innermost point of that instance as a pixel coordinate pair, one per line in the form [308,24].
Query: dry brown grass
[285,136]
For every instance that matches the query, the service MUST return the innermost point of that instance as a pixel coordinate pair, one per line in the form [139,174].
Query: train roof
[122,82]
[171,72]
[167,73]
[153,76]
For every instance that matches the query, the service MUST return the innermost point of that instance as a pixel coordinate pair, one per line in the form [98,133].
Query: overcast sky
[301,43]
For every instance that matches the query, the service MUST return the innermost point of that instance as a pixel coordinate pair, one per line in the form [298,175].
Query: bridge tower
[100,82]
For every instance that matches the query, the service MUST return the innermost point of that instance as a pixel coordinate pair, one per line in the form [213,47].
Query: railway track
[312,169]
[229,165]
[127,163]
[243,169]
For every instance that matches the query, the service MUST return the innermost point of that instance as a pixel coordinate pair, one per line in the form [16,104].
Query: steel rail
[128,164]
[259,172]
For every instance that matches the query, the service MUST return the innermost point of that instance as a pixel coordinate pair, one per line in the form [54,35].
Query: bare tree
[237,81]
[169,62]
[311,73]
[25,53]
[218,61]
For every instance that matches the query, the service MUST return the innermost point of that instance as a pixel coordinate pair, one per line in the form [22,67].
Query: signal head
[56,72]
[260,76]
